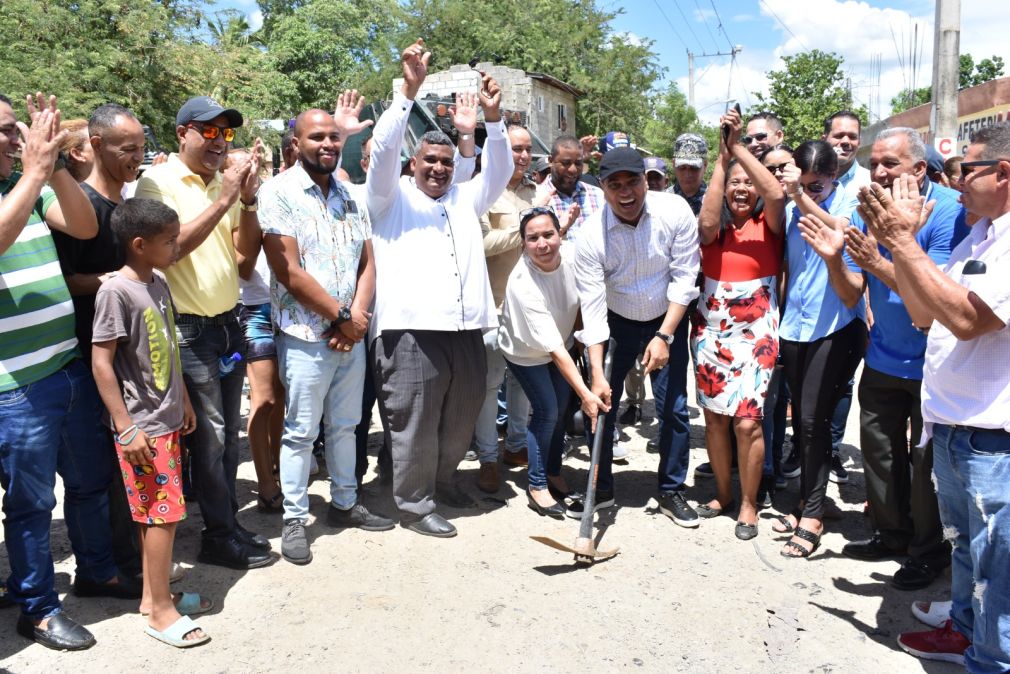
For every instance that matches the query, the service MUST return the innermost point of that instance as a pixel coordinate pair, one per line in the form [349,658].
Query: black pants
[899,486]
[818,372]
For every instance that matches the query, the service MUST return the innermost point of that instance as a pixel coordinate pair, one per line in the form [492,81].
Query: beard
[317,168]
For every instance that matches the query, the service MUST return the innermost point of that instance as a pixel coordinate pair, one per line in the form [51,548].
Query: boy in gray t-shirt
[135,359]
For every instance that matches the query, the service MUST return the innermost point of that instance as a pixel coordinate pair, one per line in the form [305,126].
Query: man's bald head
[317,141]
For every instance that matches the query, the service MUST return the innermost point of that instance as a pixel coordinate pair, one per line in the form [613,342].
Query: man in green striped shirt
[49,406]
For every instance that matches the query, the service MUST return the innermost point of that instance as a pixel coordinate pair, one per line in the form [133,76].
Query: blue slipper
[175,635]
[190,603]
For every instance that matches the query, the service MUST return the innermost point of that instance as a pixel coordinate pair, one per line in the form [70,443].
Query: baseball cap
[655,165]
[614,139]
[204,109]
[690,149]
[540,165]
[934,160]
[621,159]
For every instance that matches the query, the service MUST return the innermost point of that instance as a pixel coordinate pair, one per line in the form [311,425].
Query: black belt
[976,429]
[226,318]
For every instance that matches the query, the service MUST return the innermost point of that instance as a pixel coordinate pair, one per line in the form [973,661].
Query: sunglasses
[210,132]
[973,165]
[814,188]
[777,168]
[759,137]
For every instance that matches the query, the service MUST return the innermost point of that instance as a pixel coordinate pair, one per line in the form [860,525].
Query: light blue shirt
[813,310]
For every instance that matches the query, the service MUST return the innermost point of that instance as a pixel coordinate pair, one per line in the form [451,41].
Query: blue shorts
[259,332]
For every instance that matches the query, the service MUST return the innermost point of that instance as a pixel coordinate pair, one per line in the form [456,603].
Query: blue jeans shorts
[258,331]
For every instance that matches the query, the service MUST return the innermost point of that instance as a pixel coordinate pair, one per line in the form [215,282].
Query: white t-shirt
[257,289]
[538,315]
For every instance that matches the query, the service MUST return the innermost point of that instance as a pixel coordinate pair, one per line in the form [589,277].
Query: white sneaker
[620,451]
[932,613]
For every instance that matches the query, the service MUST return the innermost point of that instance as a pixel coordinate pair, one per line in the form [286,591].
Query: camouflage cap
[690,149]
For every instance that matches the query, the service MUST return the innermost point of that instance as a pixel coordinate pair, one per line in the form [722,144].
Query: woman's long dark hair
[817,157]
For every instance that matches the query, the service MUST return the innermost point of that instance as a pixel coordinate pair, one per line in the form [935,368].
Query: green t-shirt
[36,313]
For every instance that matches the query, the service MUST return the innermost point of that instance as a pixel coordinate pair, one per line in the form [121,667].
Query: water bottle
[226,365]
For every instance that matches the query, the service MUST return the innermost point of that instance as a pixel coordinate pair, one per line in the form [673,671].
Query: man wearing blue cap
[637,264]
[217,209]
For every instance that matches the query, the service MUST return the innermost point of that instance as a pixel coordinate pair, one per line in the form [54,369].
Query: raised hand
[414,63]
[251,181]
[589,145]
[464,113]
[862,248]
[731,120]
[791,179]
[39,103]
[40,144]
[233,179]
[490,98]
[826,241]
[894,217]
[346,113]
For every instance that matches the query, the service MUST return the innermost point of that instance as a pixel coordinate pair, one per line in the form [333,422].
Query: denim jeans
[548,393]
[50,426]
[322,384]
[485,434]
[669,389]
[972,471]
[518,414]
[214,445]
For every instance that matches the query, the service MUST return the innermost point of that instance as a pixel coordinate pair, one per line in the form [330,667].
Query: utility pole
[690,69]
[946,67]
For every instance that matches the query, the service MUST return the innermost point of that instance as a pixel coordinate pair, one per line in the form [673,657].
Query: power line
[721,27]
[782,23]
[672,27]
[688,24]
[701,15]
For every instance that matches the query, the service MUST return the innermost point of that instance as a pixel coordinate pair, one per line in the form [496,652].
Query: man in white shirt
[966,392]
[433,298]
[637,264]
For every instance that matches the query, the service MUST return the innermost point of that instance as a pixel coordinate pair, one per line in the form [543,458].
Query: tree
[568,39]
[969,75]
[670,116]
[805,92]
[147,56]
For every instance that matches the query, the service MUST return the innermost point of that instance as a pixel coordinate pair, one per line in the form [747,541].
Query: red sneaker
[945,644]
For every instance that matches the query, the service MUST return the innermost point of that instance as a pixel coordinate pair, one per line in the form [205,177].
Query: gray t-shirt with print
[141,318]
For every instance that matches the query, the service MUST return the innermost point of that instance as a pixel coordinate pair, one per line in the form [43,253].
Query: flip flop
[174,635]
[191,603]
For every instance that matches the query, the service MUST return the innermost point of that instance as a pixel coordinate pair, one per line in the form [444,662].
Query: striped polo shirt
[36,313]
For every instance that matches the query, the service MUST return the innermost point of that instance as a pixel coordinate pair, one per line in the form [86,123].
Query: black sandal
[808,536]
[274,505]
[788,528]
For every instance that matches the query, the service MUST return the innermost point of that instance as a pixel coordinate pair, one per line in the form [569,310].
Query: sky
[865,34]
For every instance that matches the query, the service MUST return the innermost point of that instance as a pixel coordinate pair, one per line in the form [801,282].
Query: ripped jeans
[972,471]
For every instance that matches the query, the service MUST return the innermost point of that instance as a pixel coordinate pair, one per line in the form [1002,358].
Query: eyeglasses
[814,188]
[778,168]
[210,132]
[759,137]
[530,213]
[972,165]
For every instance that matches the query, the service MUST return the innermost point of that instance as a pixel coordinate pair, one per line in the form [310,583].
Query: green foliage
[806,91]
[907,99]
[970,75]
[568,39]
[670,117]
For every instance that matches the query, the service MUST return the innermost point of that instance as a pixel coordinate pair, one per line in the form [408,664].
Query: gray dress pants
[430,387]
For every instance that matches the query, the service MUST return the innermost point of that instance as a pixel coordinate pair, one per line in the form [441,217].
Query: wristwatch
[665,337]
[343,315]
[249,208]
[465,136]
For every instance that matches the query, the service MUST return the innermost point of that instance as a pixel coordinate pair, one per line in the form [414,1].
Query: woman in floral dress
[735,337]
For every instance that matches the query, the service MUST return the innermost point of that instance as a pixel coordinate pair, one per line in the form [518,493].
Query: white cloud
[255,20]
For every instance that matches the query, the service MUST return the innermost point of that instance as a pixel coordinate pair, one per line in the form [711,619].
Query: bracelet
[465,136]
[132,430]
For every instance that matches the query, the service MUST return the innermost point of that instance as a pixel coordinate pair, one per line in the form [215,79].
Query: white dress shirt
[636,271]
[967,382]
[430,272]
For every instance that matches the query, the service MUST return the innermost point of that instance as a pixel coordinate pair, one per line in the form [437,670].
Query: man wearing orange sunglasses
[220,229]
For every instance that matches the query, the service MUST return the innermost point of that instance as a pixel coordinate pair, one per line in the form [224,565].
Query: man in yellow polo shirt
[217,209]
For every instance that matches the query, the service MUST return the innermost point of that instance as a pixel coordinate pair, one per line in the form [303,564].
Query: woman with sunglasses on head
[537,331]
[735,337]
[823,332]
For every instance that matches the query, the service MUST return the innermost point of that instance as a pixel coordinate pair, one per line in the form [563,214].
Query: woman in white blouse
[538,323]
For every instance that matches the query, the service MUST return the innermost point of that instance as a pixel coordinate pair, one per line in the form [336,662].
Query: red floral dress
[735,328]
